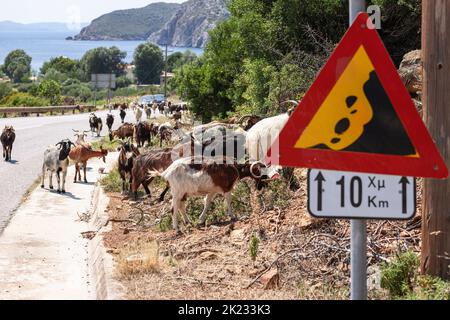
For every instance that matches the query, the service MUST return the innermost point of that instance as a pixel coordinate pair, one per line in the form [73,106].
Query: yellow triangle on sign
[340,120]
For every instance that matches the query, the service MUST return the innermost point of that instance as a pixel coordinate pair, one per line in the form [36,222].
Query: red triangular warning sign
[358,116]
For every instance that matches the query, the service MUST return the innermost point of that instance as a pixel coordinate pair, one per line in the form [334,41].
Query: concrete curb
[101,263]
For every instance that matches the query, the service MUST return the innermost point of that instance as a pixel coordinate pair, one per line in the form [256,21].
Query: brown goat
[158,160]
[124,131]
[127,157]
[7,139]
[143,132]
[80,155]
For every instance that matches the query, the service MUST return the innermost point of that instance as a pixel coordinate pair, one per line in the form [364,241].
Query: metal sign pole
[358,242]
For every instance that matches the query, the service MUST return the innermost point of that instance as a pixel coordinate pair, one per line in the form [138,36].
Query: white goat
[138,113]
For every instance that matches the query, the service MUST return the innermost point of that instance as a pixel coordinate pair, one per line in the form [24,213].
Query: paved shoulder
[43,254]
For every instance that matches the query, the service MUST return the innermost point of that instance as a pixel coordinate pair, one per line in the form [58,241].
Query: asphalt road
[33,135]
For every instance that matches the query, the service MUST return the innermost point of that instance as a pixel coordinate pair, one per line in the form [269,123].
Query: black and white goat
[56,160]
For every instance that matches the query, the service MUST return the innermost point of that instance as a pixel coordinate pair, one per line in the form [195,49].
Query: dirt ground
[297,257]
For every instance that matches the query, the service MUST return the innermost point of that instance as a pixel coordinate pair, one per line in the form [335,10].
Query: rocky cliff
[190,25]
[182,25]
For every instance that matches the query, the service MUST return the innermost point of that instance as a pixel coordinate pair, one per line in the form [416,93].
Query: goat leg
[43,175]
[175,207]
[64,174]
[58,179]
[228,199]
[50,180]
[84,170]
[208,200]
[76,173]
[163,194]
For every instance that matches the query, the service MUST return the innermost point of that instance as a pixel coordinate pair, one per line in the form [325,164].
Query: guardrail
[25,111]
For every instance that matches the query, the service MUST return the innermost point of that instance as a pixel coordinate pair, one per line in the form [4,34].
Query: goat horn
[251,170]
[290,101]
[244,117]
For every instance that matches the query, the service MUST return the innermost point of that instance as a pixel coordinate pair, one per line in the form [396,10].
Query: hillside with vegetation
[269,52]
[131,24]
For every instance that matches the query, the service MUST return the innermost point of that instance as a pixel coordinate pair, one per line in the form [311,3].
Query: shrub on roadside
[21,99]
[112,181]
[400,277]
[5,90]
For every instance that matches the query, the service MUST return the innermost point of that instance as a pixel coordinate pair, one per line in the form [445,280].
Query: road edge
[101,263]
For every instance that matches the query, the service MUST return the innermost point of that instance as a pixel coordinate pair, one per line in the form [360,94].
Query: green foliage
[149,62]
[132,24]
[102,60]
[51,90]
[122,82]
[5,90]
[400,277]
[430,288]
[62,65]
[106,144]
[21,99]
[17,66]
[253,246]
[80,91]
[179,59]
[400,274]
[55,75]
[268,52]
[400,26]
[112,181]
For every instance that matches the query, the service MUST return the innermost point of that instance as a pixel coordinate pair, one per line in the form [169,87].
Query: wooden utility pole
[435,258]
[165,74]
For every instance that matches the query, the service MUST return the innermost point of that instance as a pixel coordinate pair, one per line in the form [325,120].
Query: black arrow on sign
[320,179]
[404,182]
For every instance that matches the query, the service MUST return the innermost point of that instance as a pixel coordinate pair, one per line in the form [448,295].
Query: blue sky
[68,11]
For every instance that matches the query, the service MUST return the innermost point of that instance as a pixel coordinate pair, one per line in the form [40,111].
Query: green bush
[112,181]
[399,276]
[80,91]
[20,99]
[5,90]
[126,92]
[55,75]
[51,90]
[254,246]
[122,82]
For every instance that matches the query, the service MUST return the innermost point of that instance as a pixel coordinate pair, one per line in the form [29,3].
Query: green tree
[270,51]
[55,75]
[178,59]
[102,60]
[17,66]
[61,64]
[51,90]
[149,62]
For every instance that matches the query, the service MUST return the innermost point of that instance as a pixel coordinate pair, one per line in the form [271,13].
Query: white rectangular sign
[335,194]
[103,80]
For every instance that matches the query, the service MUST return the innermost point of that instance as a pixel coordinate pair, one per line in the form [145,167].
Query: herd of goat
[208,160]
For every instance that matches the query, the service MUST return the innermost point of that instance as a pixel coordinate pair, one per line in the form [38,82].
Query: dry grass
[310,255]
[137,258]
